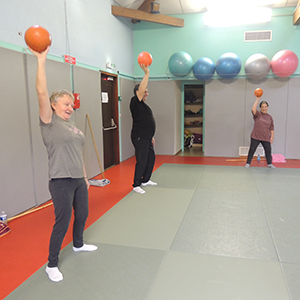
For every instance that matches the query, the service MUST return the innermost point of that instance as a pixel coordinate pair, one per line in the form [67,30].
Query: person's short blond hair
[56,95]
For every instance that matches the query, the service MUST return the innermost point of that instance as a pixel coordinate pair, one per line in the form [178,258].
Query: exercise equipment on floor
[97,182]
[4,229]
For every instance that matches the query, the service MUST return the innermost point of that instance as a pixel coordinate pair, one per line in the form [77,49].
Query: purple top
[263,125]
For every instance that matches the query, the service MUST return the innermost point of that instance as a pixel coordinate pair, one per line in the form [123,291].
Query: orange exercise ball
[37,38]
[258,92]
[145,58]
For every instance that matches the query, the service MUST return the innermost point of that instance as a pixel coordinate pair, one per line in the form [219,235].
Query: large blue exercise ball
[228,65]
[180,64]
[257,66]
[204,69]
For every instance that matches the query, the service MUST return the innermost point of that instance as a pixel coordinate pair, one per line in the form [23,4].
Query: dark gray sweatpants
[67,193]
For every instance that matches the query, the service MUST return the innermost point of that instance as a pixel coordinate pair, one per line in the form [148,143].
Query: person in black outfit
[142,134]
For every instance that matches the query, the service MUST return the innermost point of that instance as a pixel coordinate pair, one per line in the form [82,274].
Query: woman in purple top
[262,133]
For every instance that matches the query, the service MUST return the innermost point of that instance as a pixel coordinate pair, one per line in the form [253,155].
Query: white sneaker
[85,247]
[139,190]
[271,166]
[149,183]
[247,165]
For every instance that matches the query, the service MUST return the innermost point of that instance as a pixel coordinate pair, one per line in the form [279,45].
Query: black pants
[67,193]
[253,146]
[145,159]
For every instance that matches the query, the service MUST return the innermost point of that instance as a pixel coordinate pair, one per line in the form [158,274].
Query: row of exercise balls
[181,64]
[283,64]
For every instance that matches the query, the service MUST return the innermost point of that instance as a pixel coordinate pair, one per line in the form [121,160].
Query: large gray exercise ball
[257,66]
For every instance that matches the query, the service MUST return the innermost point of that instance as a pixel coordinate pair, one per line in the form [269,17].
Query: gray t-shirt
[64,144]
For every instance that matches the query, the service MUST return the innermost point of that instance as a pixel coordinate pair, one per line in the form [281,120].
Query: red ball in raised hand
[37,38]
[145,58]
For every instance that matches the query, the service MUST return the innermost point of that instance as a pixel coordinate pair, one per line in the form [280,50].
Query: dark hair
[263,102]
[136,88]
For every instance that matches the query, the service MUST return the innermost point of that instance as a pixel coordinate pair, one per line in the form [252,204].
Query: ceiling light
[233,4]
[229,17]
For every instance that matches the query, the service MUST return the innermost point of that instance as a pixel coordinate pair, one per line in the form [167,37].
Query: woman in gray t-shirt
[68,183]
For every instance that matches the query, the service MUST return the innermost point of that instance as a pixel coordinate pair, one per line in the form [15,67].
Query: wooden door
[110,121]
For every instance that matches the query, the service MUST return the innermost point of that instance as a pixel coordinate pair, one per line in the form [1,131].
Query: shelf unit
[193,112]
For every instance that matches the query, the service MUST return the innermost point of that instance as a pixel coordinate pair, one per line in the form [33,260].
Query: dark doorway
[110,123]
[193,120]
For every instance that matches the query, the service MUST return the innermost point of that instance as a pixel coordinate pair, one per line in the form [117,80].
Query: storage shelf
[193,116]
[193,103]
[193,113]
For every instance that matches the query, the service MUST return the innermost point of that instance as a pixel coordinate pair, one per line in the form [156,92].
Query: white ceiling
[172,7]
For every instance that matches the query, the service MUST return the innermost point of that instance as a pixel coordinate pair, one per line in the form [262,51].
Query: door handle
[113,125]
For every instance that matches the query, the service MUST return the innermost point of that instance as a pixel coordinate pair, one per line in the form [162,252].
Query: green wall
[202,41]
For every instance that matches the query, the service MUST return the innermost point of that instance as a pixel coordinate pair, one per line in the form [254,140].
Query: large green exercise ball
[180,64]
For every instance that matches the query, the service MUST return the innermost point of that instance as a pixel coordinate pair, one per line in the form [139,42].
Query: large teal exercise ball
[204,69]
[180,64]
[228,65]
[257,66]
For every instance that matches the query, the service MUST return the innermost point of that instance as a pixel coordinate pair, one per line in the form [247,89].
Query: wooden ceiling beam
[296,15]
[136,14]
[146,6]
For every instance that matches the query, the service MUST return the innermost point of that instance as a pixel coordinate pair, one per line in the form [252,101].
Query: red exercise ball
[258,92]
[284,63]
[37,38]
[144,58]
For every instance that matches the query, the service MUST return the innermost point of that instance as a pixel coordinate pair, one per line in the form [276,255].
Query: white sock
[149,183]
[85,247]
[139,190]
[54,274]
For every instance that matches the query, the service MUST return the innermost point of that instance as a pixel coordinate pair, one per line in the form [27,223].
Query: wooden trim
[296,15]
[109,74]
[136,14]
[116,116]
[146,6]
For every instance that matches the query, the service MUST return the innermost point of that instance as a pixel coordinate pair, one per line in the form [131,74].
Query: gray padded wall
[276,94]
[164,100]
[292,145]
[58,77]
[87,84]
[23,160]
[224,117]
[229,122]
[16,172]
[179,108]
[126,92]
